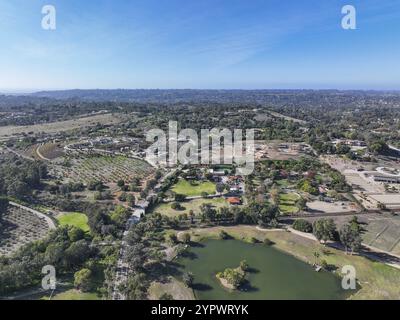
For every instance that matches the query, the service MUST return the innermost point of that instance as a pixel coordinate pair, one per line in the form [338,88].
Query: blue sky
[246,44]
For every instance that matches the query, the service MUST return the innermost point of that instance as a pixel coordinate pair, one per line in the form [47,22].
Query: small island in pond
[233,279]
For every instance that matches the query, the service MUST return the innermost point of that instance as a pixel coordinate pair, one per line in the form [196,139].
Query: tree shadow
[189,255]
[247,287]
[196,244]
[161,271]
[201,287]
[253,270]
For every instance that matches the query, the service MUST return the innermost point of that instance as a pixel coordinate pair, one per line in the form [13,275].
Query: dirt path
[40,154]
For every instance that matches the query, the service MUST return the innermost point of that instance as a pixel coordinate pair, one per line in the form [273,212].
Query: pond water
[273,274]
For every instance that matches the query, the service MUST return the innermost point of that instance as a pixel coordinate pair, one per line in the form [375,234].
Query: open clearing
[194,205]
[59,126]
[331,207]
[194,188]
[78,220]
[377,280]
[173,287]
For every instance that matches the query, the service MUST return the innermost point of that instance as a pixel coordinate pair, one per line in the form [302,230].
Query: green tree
[82,280]
[324,229]
[244,266]
[302,225]
[350,238]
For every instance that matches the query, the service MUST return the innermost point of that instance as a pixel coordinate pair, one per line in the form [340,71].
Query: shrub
[267,242]
[253,240]
[223,235]
[244,265]
[186,238]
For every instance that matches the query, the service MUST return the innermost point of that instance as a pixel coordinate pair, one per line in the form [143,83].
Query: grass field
[74,294]
[195,189]
[78,220]
[288,203]
[377,280]
[194,205]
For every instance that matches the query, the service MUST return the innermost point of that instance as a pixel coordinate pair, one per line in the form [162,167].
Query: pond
[273,274]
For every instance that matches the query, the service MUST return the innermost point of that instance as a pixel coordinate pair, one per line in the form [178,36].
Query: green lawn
[193,189]
[288,203]
[78,220]
[165,208]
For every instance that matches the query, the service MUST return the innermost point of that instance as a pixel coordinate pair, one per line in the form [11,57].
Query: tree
[220,187]
[123,197]
[324,229]
[244,266]
[180,197]
[172,238]
[130,198]
[75,234]
[302,225]
[136,287]
[188,279]
[378,147]
[176,206]
[120,215]
[350,238]
[82,280]
[307,186]
[208,212]
[301,204]
[121,183]
[77,253]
